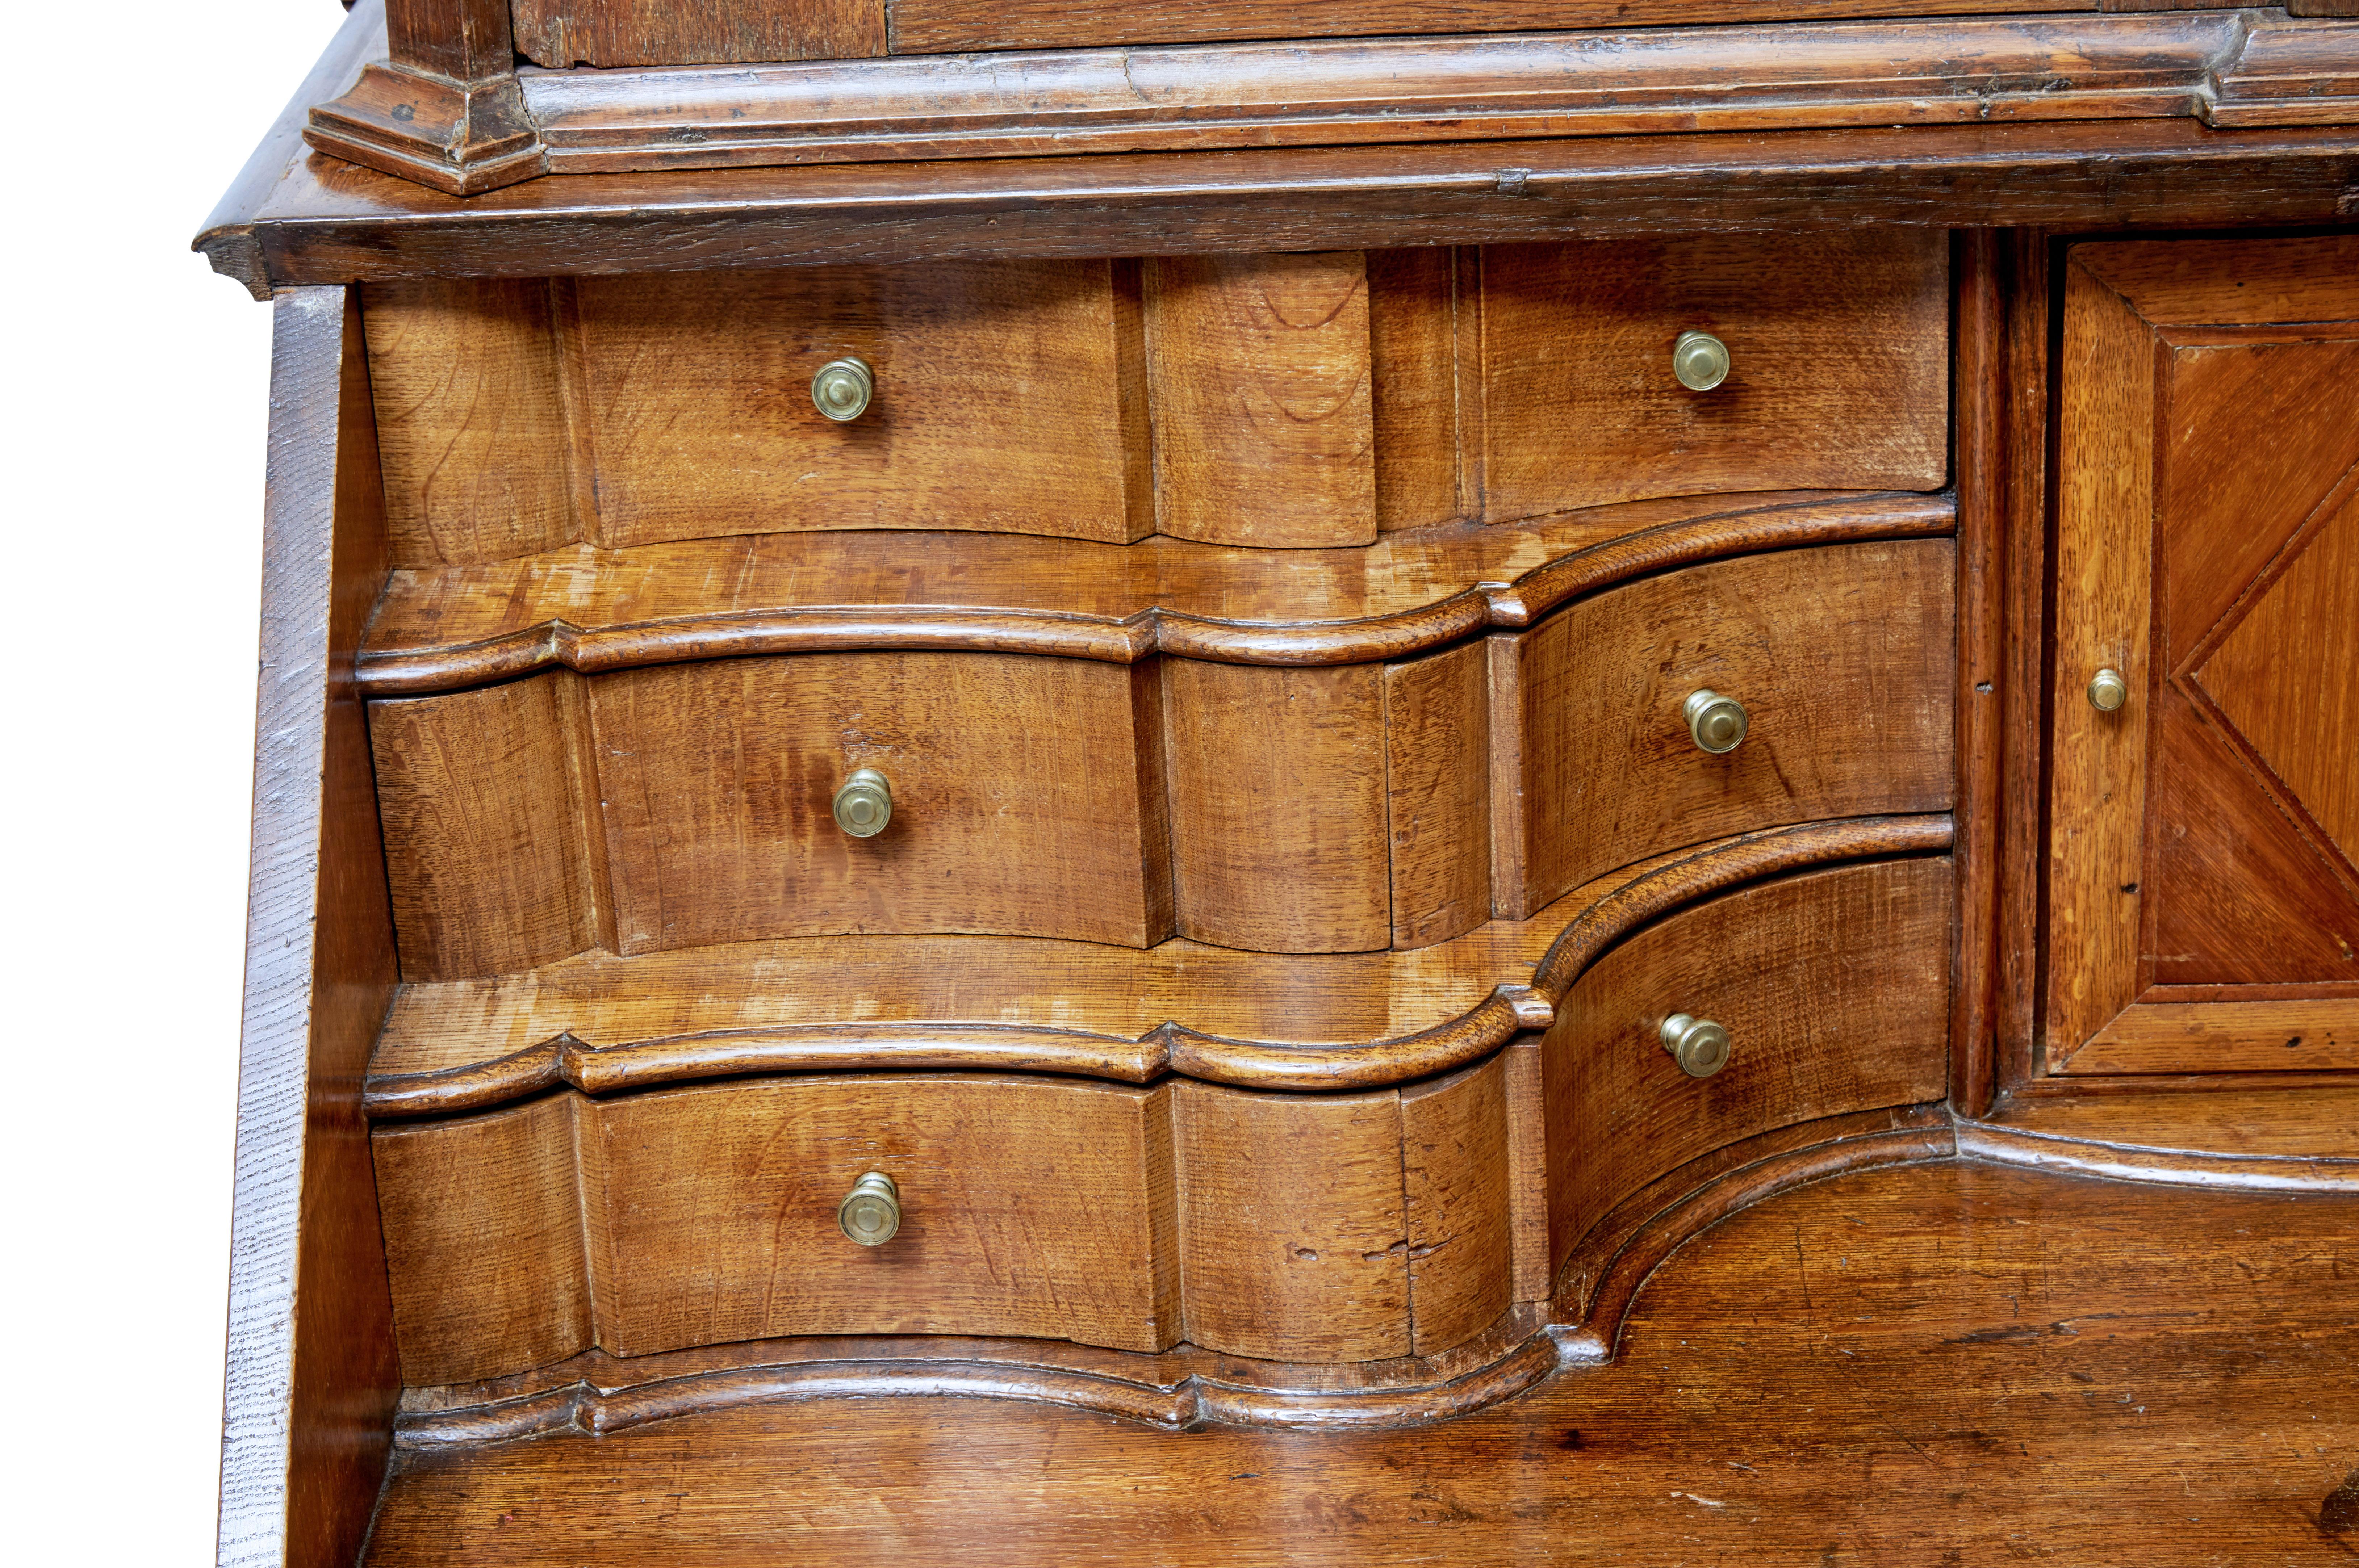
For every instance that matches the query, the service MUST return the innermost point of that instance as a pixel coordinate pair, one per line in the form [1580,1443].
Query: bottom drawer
[1281,1225]
[1831,988]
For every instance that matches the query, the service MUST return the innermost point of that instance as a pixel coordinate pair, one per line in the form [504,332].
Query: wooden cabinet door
[2204,841]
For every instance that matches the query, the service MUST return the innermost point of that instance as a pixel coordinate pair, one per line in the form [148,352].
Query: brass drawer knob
[1700,361]
[1698,1044]
[871,1212]
[863,803]
[842,387]
[1717,722]
[2108,689]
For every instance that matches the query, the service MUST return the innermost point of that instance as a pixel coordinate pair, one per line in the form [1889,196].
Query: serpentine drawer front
[1336,809]
[1351,1227]
[1293,401]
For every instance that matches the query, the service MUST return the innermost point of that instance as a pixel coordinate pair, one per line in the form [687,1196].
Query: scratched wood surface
[1948,1363]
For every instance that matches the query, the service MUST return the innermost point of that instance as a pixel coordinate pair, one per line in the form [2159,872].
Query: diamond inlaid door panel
[2203,850]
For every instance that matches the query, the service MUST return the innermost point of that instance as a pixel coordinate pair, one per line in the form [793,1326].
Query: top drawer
[1290,401]
[1836,372]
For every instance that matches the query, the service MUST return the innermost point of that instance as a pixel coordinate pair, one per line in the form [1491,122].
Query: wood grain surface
[925,26]
[1437,787]
[289,219]
[2212,819]
[1278,807]
[1459,1174]
[491,848]
[1000,401]
[1838,375]
[470,420]
[1282,91]
[648,32]
[312,1377]
[604,1024]
[2017,1361]
[1410,593]
[1842,657]
[1027,798]
[1833,987]
[1262,393]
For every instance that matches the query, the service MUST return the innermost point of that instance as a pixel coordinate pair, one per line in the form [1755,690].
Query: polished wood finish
[1278,807]
[1028,798]
[492,838]
[1292,1223]
[1262,398]
[2241,70]
[471,419]
[2002,446]
[1458,1176]
[1833,987]
[1029,1207]
[2201,881]
[649,32]
[1436,794]
[305,1420]
[1841,657]
[438,103]
[290,219]
[597,1394]
[604,1024]
[1409,593]
[1838,378]
[1994,1404]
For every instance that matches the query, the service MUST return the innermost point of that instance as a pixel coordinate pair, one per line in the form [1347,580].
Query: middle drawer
[1345,808]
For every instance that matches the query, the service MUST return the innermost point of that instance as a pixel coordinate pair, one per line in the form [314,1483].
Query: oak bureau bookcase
[1054,702]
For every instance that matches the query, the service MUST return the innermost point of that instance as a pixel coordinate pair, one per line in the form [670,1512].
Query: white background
[135,393]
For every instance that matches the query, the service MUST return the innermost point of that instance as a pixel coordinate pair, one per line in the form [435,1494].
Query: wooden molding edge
[2080,1156]
[1459,613]
[564,1062]
[1187,1388]
[2249,67]
[459,137]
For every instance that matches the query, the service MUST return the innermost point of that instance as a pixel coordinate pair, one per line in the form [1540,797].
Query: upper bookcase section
[469,95]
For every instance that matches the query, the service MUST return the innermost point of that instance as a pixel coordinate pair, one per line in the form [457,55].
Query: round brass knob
[2108,689]
[842,387]
[1698,1044]
[1700,361]
[863,803]
[871,1212]
[1717,722]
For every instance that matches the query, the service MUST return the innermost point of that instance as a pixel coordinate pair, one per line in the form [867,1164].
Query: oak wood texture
[306,1419]
[2204,911]
[1838,377]
[471,420]
[438,103]
[594,1394]
[1271,1226]
[648,32]
[629,411]
[494,847]
[2261,1140]
[604,1024]
[1292,1223]
[1278,821]
[1842,657]
[1028,798]
[2241,68]
[1997,1406]
[1833,987]
[290,219]
[2001,463]
[1436,794]
[1034,1206]
[1262,398]
[445,626]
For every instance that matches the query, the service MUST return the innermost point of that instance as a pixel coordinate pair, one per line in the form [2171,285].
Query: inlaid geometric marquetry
[2204,841]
